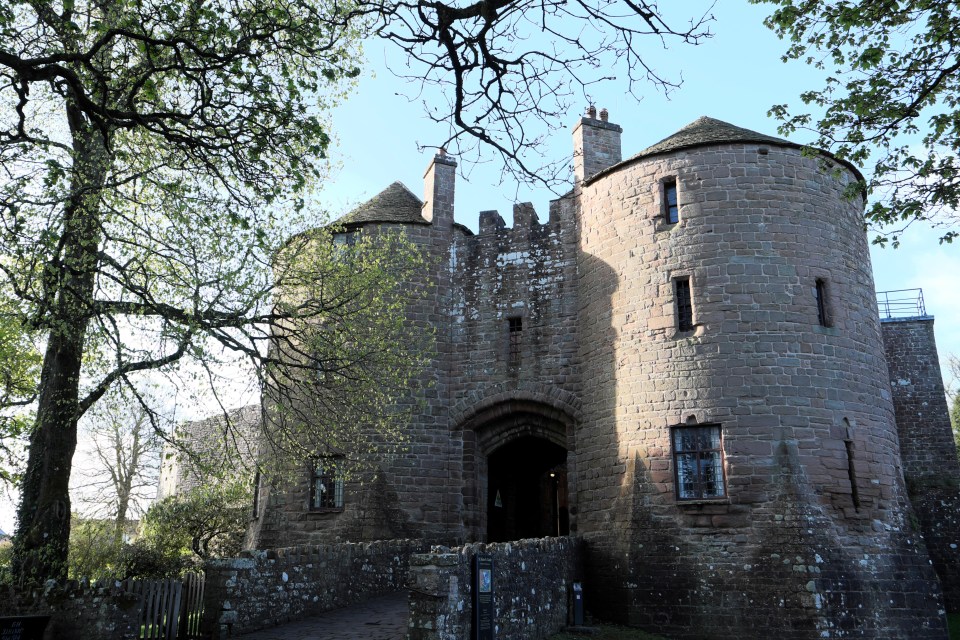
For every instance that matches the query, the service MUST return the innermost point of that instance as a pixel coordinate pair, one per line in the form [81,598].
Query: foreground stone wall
[929,452]
[263,589]
[78,610]
[532,581]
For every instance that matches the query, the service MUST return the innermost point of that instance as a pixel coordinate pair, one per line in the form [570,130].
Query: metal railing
[901,303]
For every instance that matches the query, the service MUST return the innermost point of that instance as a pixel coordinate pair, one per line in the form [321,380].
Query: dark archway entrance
[527,490]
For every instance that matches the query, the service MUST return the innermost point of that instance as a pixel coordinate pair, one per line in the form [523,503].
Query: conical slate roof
[705,130]
[396,203]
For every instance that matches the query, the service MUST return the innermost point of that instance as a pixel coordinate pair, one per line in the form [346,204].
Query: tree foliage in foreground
[892,98]
[207,521]
[19,374]
[157,156]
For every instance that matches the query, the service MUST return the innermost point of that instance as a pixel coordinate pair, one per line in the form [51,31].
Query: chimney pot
[604,114]
[596,144]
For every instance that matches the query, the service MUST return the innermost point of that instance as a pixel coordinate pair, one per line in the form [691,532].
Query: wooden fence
[171,609]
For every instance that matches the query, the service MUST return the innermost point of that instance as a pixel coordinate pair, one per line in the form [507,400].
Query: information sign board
[482,593]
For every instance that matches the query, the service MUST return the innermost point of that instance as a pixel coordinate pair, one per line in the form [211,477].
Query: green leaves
[891,100]
[207,521]
[156,154]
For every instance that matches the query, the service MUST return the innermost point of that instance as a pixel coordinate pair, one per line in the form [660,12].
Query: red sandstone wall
[788,552]
[929,453]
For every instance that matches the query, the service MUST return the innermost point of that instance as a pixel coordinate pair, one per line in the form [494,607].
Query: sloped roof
[706,131]
[396,203]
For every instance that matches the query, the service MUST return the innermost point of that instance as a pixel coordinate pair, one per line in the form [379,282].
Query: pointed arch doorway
[520,469]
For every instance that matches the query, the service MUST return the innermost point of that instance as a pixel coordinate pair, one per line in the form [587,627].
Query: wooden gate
[191,614]
[171,609]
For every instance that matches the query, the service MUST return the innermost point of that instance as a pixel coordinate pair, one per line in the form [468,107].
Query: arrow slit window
[671,211]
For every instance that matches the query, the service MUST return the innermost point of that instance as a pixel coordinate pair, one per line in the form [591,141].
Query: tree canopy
[205,521]
[509,71]
[158,156]
[891,99]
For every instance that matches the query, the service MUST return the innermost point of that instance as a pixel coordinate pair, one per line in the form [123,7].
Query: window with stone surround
[326,485]
[683,303]
[698,462]
[345,239]
[671,212]
[515,340]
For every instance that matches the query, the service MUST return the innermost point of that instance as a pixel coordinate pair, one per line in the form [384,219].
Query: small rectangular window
[515,329]
[345,239]
[698,462]
[820,295]
[671,212]
[684,304]
[326,485]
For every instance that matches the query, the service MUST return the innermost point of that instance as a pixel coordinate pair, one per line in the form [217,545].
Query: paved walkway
[383,618]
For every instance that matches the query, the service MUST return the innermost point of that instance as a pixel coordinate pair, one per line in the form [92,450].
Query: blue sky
[735,76]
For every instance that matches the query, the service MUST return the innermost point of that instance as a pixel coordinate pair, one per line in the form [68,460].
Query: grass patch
[610,632]
[616,632]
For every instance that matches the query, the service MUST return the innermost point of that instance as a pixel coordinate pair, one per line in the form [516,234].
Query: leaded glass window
[684,304]
[671,212]
[698,461]
[326,486]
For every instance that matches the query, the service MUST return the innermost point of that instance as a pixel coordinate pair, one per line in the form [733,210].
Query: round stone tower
[737,420]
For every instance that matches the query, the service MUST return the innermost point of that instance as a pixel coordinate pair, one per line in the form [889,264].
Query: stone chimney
[596,144]
[438,190]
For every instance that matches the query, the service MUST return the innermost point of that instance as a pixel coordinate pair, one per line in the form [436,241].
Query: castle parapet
[524,216]
[491,222]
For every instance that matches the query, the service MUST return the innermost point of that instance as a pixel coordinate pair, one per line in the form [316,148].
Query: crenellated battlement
[528,240]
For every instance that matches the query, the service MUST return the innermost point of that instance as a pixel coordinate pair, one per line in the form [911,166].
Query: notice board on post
[482,596]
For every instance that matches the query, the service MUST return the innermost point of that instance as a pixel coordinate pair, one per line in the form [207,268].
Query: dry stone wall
[268,588]
[532,585]
[78,610]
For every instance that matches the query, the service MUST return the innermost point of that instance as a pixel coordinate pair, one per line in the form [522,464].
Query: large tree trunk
[43,529]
